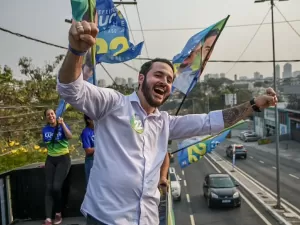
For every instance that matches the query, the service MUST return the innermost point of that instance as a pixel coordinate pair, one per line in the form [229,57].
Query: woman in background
[87,138]
[55,135]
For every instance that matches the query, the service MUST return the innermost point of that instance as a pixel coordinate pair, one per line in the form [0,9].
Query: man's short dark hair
[146,67]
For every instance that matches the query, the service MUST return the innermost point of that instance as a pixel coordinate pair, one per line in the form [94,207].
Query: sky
[44,20]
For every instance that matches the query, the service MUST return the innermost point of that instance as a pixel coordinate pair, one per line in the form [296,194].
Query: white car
[175,184]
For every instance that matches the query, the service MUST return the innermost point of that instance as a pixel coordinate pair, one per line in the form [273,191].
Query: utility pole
[278,206]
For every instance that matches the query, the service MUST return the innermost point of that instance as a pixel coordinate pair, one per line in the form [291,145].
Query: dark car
[220,190]
[240,151]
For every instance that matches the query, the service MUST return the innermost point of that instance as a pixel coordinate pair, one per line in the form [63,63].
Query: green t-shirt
[60,145]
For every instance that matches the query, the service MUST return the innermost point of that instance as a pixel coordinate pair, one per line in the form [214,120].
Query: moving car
[175,184]
[220,190]
[240,151]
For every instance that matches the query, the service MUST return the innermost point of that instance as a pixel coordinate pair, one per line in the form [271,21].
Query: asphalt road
[193,203]
[262,167]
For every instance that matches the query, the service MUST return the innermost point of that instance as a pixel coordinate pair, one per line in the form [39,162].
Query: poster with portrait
[190,63]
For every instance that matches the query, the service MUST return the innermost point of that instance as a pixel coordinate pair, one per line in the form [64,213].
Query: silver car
[245,132]
[250,137]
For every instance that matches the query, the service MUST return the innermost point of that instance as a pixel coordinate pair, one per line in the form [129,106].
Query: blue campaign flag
[191,61]
[194,149]
[113,43]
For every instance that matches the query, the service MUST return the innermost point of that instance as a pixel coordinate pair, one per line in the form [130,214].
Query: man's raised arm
[87,98]
[212,123]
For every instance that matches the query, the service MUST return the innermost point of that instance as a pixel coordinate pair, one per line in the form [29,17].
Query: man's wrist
[76,52]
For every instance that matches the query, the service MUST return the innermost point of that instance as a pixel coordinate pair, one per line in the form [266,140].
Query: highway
[262,166]
[192,208]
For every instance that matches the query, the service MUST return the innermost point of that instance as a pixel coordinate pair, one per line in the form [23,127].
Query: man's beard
[147,94]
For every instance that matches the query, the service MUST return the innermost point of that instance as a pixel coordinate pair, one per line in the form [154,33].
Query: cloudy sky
[165,24]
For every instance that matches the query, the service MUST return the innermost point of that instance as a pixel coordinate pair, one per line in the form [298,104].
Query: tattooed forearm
[233,115]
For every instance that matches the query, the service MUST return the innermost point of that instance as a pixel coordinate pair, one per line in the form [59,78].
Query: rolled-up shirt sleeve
[195,125]
[93,101]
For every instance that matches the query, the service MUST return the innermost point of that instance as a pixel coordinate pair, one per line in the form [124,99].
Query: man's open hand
[82,35]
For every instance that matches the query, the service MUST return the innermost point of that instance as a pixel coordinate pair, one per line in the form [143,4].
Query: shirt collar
[134,98]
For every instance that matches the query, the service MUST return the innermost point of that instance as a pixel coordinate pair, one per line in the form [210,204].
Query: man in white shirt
[134,134]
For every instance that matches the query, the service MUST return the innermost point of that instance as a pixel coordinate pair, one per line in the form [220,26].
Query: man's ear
[141,79]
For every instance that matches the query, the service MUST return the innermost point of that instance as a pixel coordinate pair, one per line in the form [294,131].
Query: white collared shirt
[122,189]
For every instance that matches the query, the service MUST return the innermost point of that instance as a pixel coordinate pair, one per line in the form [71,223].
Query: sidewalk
[287,149]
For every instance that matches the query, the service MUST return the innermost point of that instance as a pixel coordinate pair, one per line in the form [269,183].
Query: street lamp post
[276,108]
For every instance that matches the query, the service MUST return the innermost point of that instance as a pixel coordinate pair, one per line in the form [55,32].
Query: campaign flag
[196,151]
[193,149]
[113,43]
[82,10]
[191,61]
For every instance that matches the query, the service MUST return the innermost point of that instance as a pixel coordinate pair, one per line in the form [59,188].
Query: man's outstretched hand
[267,100]
[82,35]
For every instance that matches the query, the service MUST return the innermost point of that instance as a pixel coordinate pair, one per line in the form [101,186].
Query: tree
[24,118]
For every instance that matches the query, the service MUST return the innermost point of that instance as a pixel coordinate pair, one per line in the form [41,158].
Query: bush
[14,155]
[264,141]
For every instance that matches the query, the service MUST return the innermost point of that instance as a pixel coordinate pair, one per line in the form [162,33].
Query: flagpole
[202,66]
[91,12]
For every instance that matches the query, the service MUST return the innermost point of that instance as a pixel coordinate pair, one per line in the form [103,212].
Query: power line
[211,61]
[125,12]
[249,43]
[138,12]
[287,21]
[108,73]
[201,28]
[44,42]
[31,38]
[242,61]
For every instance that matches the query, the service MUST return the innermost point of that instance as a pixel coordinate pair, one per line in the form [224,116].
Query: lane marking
[261,162]
[255,209]
[182,172]
[188,198]
[192,220]
[294,176]
[244,197]
[184,182]
[251,157]
[274,167]
[260,185]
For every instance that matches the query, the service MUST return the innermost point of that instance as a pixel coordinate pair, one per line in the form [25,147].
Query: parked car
[240,151]
[250,137]
[245,132]
[175,184]
[220,190]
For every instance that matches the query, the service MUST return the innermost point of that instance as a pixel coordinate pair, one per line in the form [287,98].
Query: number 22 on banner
[195,152]
[103,46]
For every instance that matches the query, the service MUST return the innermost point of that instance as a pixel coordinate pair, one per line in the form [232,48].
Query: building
[287,71]
[101,83]
[289,123]
[120,81]
[256,76]
[243,78]
[211,76]
[130,82]
[296,73]
[277,71]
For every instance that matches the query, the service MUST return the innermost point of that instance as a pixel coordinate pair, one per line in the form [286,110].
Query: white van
[175,184]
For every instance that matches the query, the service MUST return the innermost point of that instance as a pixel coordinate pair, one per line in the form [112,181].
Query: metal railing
[10,210]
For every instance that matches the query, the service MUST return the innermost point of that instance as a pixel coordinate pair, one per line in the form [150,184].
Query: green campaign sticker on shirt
[136,124]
